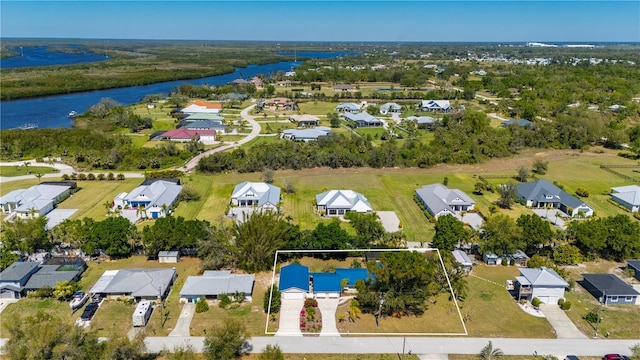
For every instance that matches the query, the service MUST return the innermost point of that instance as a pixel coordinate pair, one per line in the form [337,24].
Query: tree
[64,289]
[267,175]
[635,352]
[334,120]
[226,341]
[540,167]
[368,228]
[479,187]
[354,310]
[536,232]
[256,240]
[274,294]
[39,176]
[289,187]
[582,192]
[26,235]
[271,352]
[489,353]
[500,235]
[449,233]
[523,174]
[507,193]
[111,235]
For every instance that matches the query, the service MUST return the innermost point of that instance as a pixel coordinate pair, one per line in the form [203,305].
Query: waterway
[42,56]
[53,111]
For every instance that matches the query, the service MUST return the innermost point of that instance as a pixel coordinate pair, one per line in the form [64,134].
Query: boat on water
[78,299]
[73,113]
[27,127]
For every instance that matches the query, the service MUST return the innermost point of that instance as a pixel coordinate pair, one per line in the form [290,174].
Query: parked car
[96,298]
[615,357]
[89,311]
[571,357]
[78,299]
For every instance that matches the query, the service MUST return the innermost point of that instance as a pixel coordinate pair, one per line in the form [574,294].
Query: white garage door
[293,296]
[549,299]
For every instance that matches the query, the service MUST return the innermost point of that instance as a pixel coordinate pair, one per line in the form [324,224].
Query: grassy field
[91,197]
[24,170]
[316,107]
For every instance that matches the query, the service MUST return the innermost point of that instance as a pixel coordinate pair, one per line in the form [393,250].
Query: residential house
[542,194]
[390,108]
[439,200]
[426,122]
[15,277]
[340,202]
[348,108]
[51,275]
[35,201]
[199,125]
[256,194]
[148,201]
[212,284]
[139,284]
[304,120]
[170,257]
[200,106]
[463,259]
[439,106]
[239,82]
[491,259]
[519,258]
[363,119]
[285,83]
[344,88]
[185,135]
[635,266]
[305,134]
[280,104]
[609,289]
[542,283]
[203,117]
[627,196]
[257,82]
[296,282]
[518,122]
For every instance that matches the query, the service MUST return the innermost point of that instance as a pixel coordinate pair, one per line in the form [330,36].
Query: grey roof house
[35,201]
[140,284]
[218,126]
[215,283]
[390,108]
[609,289]
[439,200]
[348,108]
[51,275]
[542,283]
[155,200]
[635,266]
[541,194]
[627,196]
[304,120]
[423,121]
[15,277]
[340,202]
[363,119]
[258,194]
[305,135]
[518,122]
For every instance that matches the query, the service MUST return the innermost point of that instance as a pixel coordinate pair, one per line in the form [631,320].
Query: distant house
[542,194]
[150,201]
[257,82]
[348,108]
[635,266]
[426,122]
[519,258]
[609,289]
[491,259]
[439,200]
[344,88]
[204,117]
[304,120]
[306,134]
[363,119]
[200,106]
[340,202]
[212,284]
[439,106]
[199,125]
[15,277]
[51,275]
[627,196]
[168,256]
[280,104]
[463,259]
[390,108]
[256,194]
[139,284]
[518,122]
[185,135]
[285,83]
[296,282]
[239,82]
[21,277]
[35,201]
[542,283]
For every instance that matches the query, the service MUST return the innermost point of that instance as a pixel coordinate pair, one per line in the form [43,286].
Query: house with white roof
[542,283]
[212,284]
[340,202]
[390,108]
[627,196]
[439,200]
[426,122]
[256,194]
[305,134]
[363,119]
[152,200]
[35,201]
[304,120]
[440,106]
[348,108]
[199,106]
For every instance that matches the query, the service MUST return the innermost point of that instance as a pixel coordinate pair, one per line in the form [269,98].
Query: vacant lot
[24,170]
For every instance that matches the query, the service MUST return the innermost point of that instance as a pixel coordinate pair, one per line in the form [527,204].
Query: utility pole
[379,311]
[604,300]
[404,342]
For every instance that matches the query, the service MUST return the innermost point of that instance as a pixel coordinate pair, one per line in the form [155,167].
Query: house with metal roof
[169,257]
[635,266]
[542,194]
[390,108]
[149,201]
[139,284]
[610,289]
[440,106]
[200,106]
[305,135]
[256,194]
[51,275]
[627,196]
[35,201]
[426,122]
[542,283]
[463,259]
[214,125]
[348,108]
[363,119]
[14,277]
[439,200]
[296,282]
[203,117]
[304,120]
[340,202]
[212,284]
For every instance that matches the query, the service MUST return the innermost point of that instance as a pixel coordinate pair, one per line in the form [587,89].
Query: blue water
[41,56]
[53,111]
[317,54]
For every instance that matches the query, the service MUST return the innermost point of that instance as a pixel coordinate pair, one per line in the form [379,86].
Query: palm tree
[39,176]
[489,353]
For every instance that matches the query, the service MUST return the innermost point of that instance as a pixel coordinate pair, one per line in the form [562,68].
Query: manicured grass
[317,107]
[26,170]
[276,128]
[138,140]
[374,132]
[91,197]
[30,307]
[113,318]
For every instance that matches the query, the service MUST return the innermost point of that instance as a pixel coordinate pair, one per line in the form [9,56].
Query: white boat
[78,299]
[73,113]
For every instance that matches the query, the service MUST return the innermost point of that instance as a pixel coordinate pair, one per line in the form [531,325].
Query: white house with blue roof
[296,282]
[543,194]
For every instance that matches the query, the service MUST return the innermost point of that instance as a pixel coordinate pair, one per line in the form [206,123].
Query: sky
[308,20]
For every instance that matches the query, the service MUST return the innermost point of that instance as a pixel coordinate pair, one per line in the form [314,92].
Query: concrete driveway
[290,318]
[474,220]
[564,327]
[184,321]
[328,309]
[552,216]
[389,220]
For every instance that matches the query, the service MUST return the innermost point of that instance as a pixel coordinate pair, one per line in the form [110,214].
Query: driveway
[184,321]
[553,216]
[564,327]
[474,220]
[290,317]
[328,309]
[389,220]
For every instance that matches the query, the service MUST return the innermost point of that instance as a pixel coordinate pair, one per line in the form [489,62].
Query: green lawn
[26,170]
[374,132]
[316,107]
[92,196]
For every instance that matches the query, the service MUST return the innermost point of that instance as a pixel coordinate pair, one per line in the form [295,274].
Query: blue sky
[306,20]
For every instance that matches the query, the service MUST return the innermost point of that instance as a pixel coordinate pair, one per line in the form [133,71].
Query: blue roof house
[294,281]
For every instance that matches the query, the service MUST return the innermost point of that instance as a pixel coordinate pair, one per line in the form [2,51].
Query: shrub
[505,262]
[582,192]
[202,306]
[225,300]
[82,176]
[310,303]
[91,176]
[101,176]
[66,177]
[592,317]
[275,300]
[566,305]
[45,292]
[535,302]
[561,302]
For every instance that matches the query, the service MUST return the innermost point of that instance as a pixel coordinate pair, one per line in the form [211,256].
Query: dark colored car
[89,311]
[571,357]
